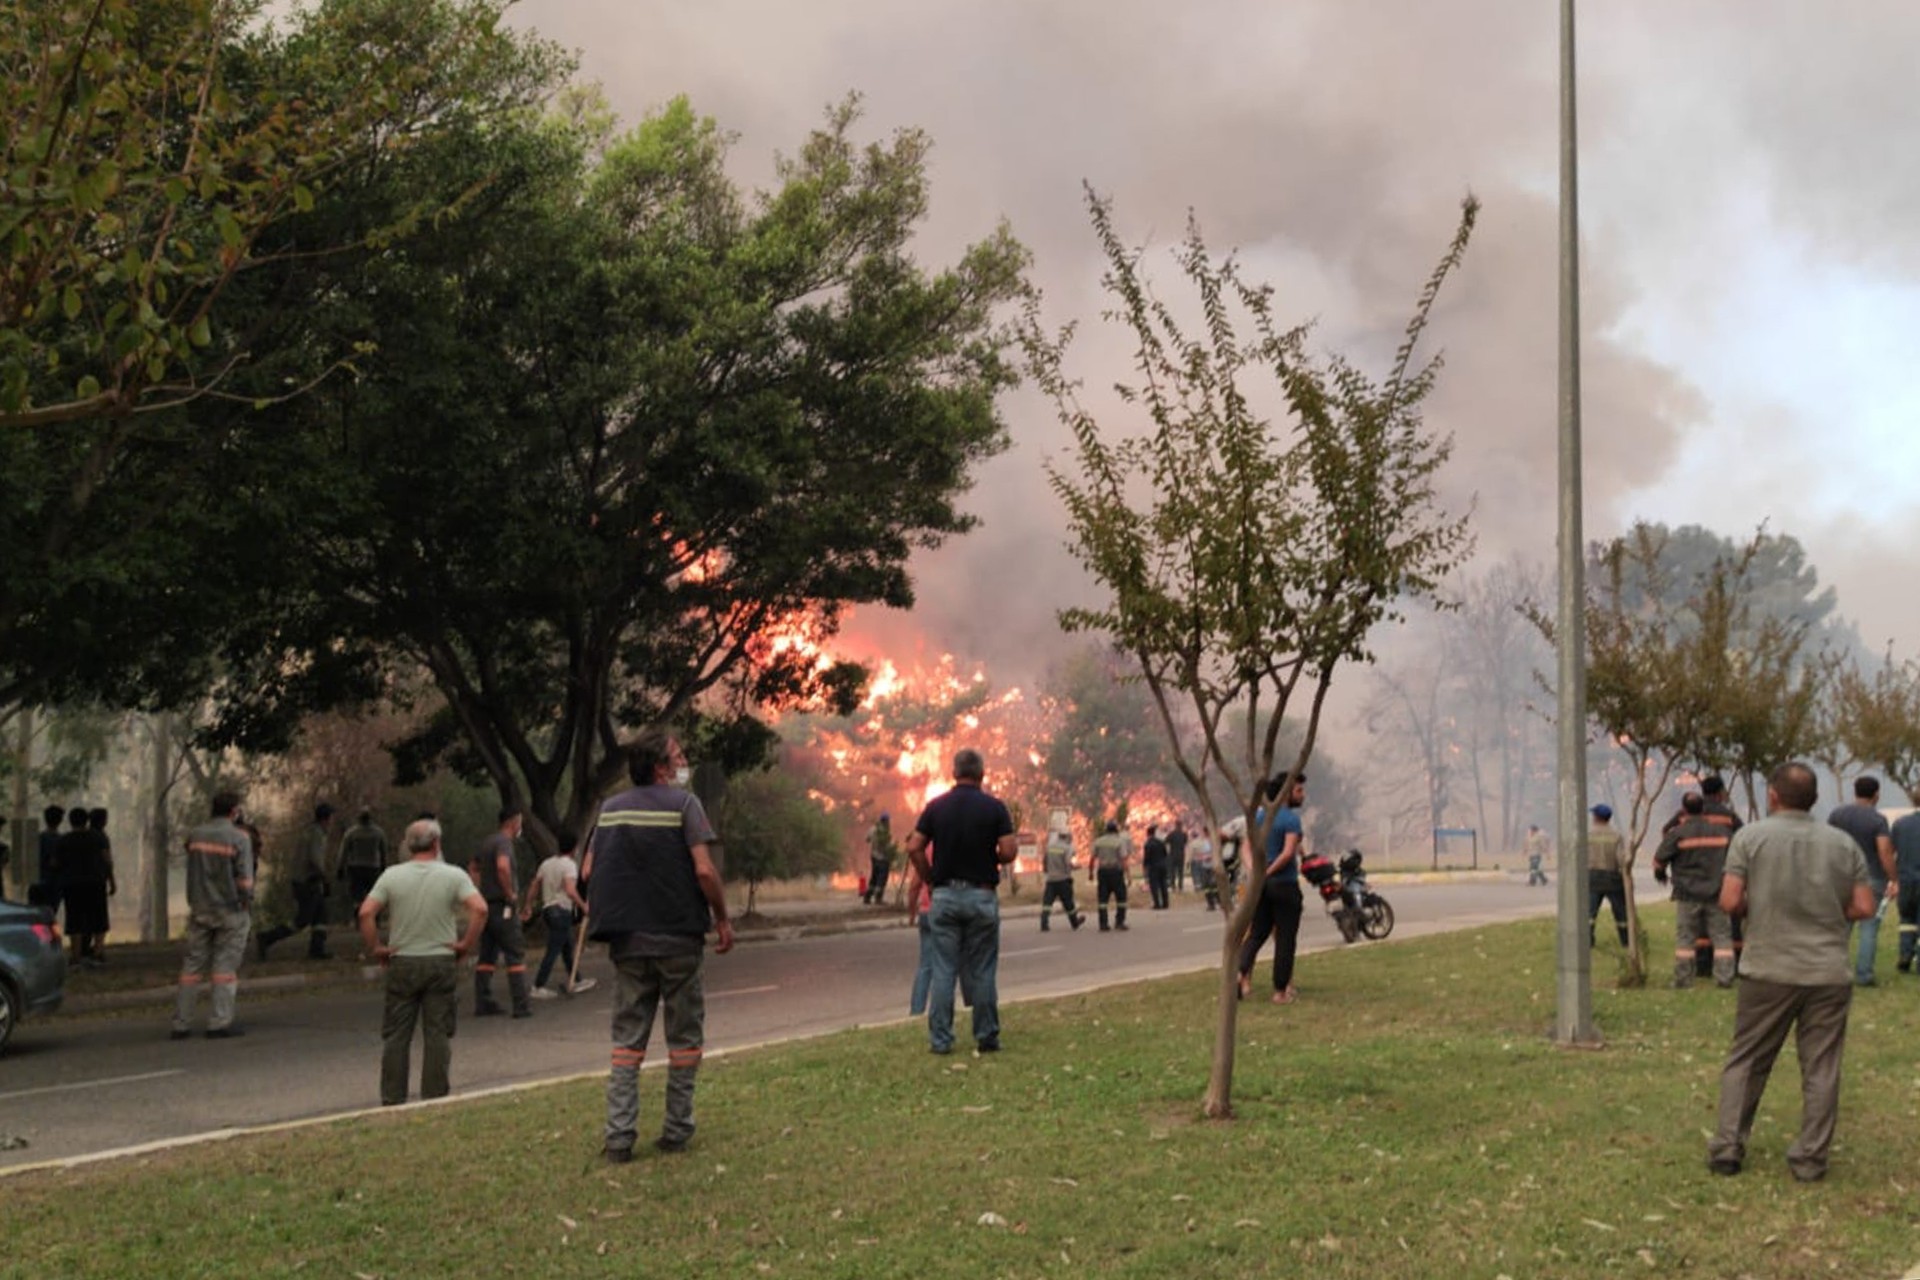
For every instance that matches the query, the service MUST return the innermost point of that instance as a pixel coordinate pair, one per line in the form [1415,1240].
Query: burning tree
[1246,557]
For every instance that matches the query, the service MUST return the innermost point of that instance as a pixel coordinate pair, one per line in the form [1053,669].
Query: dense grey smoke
[1331,143]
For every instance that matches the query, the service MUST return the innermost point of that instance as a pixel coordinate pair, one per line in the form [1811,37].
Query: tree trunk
[1218,1104]
[154,922]
[22,765]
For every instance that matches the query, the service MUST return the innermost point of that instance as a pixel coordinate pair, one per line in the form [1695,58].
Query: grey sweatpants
[642,985]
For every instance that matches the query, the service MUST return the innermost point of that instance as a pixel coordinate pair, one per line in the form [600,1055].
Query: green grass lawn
[1407,1118]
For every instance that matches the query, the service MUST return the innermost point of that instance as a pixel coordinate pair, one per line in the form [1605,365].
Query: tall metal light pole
[1573,986]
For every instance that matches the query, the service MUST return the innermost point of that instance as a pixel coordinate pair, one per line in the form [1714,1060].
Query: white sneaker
[543,993]
[584,984]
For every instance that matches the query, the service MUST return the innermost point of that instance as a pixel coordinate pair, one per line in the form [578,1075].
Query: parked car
[33,967]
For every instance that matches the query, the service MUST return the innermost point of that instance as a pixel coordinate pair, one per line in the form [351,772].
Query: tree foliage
[1106,740]
[1245,557]
[770,828]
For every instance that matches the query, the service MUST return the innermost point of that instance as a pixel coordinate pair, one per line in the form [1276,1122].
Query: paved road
[80,1086]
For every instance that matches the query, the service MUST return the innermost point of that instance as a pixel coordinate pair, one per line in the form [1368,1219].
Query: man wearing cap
[1863,821]
[219,897]
[1799,883]
[1693,855]
[310,877]
[1606,872]
[880,851]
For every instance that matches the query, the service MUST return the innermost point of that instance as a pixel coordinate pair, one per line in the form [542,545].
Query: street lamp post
[1573,984]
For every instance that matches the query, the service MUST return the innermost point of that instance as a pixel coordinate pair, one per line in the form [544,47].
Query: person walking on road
[555,887]
[363,856]
[1693,855]
[1906,857]
[1606,872]
[1798,883]
[309,890]
[880,851]
[1154,858]
[502,942]
[1057,862]
[961,840]
[1537,849]
[652,894]
[1280,907]
[427,901]
[1107,868]
[1863,821]
[219,902]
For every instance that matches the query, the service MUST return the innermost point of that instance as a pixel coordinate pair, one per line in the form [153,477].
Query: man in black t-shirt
[958,846]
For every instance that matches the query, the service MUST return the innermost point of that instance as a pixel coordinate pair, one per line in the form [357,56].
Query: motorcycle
[1356,909]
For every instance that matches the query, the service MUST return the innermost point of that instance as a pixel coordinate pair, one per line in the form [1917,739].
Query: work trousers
[420,990]
[1695,920]
[1607,887]
[1110,885]
[1909,904]
[878,869]
[1278,913]
[1763,1014]
[1158,879]
[642,986]
[1060,891]
[502,943]
[216,944]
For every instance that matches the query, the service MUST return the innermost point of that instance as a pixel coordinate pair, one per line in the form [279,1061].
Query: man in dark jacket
[1693,856]
[652,893]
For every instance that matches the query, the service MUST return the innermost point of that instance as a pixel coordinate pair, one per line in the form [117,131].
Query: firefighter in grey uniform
[652,893]
[220,896]
[1058,860]
[1109,867]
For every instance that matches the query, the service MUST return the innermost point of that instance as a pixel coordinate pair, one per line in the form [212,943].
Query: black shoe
[1122,928]
[224,1033]
[1077,921]
[487,1011]
[178,1035]
[1724,1167]
[988,1046]
[1904,966]
[617,1155]
[523,1013]
[669,1146]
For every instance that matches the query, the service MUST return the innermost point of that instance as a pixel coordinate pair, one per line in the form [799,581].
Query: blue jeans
[559,921]
[966,946]
[923,976]
[1867,937]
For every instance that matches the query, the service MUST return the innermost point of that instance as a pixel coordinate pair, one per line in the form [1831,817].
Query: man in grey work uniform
[502,943]
[1798,883]
[1868,826]
[426,900]
[219,897]
[1058,864]
[652,894]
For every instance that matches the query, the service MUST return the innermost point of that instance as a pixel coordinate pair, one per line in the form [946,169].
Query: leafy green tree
[770,828]
[1245,559]
[1872,716]
[1106,740]
[622,425]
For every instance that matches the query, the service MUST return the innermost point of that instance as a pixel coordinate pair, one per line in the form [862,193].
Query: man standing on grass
[1606,872]
[426,900]
[958,846]
[1694,856]
[1798,883]
[219,898]
[1906,857]
[1868,826]
[652,894]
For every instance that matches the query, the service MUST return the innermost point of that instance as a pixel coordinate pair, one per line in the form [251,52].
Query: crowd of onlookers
[74,869]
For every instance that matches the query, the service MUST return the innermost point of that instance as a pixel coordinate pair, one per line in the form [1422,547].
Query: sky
[1751,265]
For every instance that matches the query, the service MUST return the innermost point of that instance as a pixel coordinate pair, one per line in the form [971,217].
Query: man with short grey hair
[425,899]
[1799,883]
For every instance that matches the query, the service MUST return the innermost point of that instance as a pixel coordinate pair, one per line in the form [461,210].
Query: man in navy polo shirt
[958,846]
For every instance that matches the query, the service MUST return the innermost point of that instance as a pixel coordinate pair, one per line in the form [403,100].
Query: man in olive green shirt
[1606,868]
[1800,884]
[425,899]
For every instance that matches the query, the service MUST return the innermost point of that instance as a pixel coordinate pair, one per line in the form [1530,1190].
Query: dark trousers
[1110,885]
[1180,873]
[1909,905]
[420,989]
[1607,887]
[1763,1014]
[1060,891]
[1158,879]
[1278,912]
[877,872]
[360,884]
[559,922]
[309,912]
[502,943]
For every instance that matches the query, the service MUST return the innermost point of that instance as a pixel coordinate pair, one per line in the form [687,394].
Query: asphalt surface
[77,1087]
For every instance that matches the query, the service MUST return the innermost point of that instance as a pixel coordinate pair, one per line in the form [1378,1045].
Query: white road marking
[91,1084]
[1030,951]
[743,991]
[1203,928]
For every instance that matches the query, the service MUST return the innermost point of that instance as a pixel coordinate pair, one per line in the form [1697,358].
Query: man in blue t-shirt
[1280,907]
[1868,826]
[958,846]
